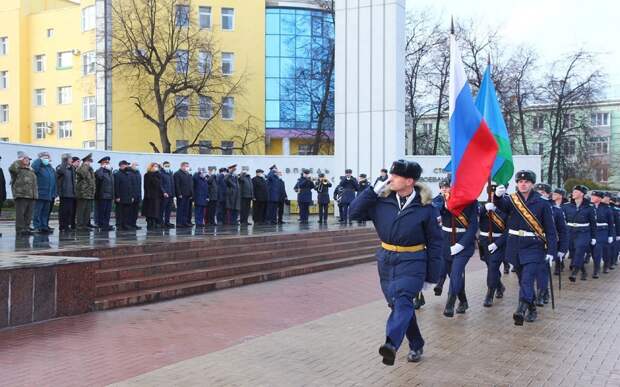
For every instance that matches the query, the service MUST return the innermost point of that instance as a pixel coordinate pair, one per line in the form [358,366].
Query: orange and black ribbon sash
[527,215]
[462,219]
[497,220]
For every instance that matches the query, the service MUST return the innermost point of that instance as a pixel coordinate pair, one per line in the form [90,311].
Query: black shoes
[463,305]
[531,313]
[415,356]
[438,289]
[388,351]
[584,274]
[573,275]
[519,314]
[488,299]
[419,301]
[499,292]
[449,309]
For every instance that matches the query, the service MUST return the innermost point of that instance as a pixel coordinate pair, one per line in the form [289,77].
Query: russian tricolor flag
[472,144]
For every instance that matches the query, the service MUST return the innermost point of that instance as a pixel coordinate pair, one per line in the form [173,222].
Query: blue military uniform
[275,193]
[524,247]
[304,187]
[409,256]
[322,188]
[348,186]
[581,222]
[493,231]
[616,248]
[605,231]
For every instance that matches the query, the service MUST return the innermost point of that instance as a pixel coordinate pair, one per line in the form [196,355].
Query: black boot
[605,268]
[463,305]
[573,275]
[449,310]
[519,314]
[438,289]
[388,352]
[539,299]
[584,274]
[546,296]
[499,292]
[596,270]
[419,301]
[488,300]
[531,313]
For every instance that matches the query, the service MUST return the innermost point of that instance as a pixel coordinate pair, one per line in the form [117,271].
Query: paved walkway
[322,330]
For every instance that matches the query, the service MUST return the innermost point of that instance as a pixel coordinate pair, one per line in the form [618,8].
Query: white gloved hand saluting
[593,242]
[456,249]
[490,206]
[381,186]
[500,191]
[492,248]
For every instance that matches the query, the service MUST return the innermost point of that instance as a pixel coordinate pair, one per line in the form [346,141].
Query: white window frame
[39,97]
[205,62]
[204,15]
[538,122]
[40,129]
[205,105]
[427,127]
[89,144]
[4,80]
[59,59]
[89,63]
[64,95]
[228,103]
[4,114]
[179,101]
[229,59]
[231,16]
[599,119]
[89,108]
[88,18]
[65,129]
[4,45]
[39,63]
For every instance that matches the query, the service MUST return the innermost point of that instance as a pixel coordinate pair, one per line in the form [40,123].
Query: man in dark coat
[246,193]
[167,188]
[221,196]
[322,186]
[46,184]
[213,191]
[123,195]
[201,196]
[349,186]
[153,194]
[137,194]
[65,183]
[2,190]
[104,194]
[261,197]
[304,188]
[274,195]
[410,252]
[184,189]
[233,197]
[283,198]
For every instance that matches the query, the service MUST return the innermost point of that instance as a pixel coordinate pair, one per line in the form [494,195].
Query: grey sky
[552,27]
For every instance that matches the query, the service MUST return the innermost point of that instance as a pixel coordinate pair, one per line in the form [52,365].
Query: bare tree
[171,66]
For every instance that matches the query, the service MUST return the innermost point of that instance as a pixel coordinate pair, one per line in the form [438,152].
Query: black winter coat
[261,192]
[123,186]
[104,183]
[183,184]
[153,194]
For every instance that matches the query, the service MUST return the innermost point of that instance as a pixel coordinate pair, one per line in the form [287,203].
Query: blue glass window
[272,88]
[272,69]
[272,45]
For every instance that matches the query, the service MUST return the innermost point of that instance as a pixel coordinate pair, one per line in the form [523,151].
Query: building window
[227,147]
[206,107]
[205,147]
[599,119]
[304,149]
[64,60]
[90,144]
[204,17]
[598,145]
[4,113]
[228,108]
[64,95]
[4,45]
[182,61]
[205,61]
[88,18]
[228,63]
[602,174]
[568,120]
[89,63]
[228,19]
[570,147]
[427,127]
[64,129]
[39,63]
[50,32]
[39,97]
[4,80]
[182,107]
[182,15]
[538,148]
[538,122]
[39,130]
[89,108]
[182,144]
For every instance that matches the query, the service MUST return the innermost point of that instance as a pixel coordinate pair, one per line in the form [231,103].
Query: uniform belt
[601,224]
[521,233]
[403,249]
[494,235]
[449,229]
[578,224]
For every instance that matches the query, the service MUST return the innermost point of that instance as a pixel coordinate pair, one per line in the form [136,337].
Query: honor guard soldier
[444,189]
[405,220]
[542,279]
[581,223]
[615,204]
[492,226]
[349,186]
[531,238]
[459,236]
[322,186]
[605,231]
[304,187]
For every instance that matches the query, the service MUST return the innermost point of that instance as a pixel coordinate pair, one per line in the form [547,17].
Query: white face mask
[107,166]
[155,169]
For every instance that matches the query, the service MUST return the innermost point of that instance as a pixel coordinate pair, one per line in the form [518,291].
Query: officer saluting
[410,253]
[531,237]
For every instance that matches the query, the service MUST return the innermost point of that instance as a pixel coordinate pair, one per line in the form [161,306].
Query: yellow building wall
[132,132]
[11,28]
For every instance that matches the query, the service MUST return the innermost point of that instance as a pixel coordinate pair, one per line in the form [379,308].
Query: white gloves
[490,206]
[549,259]
[427,285]
[618,238]
[593,242]
[492,248]
[381,186]
[610,240]
[561,256]
[500,191]
[456,249]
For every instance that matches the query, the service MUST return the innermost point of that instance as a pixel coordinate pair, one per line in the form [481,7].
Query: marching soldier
[542,279]
[406,223]
[493,249]
[85,193]
[438,202]
[581,222]
[605,231]
[615,204]
[531,237]
[304,187]
[349,187]
[322,186]
[104,194]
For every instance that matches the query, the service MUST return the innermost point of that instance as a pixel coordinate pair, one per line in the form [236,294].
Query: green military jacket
[85,188]
[23,181]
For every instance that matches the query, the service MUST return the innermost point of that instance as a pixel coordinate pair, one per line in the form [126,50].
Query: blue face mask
[45,161]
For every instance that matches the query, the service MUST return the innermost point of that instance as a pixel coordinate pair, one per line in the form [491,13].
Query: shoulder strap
[527,215]
[497,220]
[462,219]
